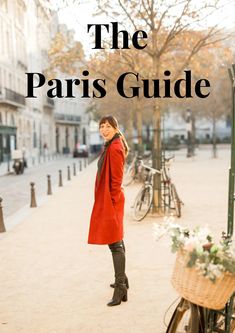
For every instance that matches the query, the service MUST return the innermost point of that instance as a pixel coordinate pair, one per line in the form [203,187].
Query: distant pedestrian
[106,224]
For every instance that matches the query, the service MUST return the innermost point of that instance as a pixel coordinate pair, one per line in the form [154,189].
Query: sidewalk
[52,281]
[7,167]
[4,168]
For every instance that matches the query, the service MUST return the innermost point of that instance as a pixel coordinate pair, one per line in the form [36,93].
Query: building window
[34,136]
[18,86]
[10,81]
[8,40]
[12,120]
[20,13]
[4,5]
[84,136]
[57,140]
[75,136]
[4,77]
[228,121]
[67,137]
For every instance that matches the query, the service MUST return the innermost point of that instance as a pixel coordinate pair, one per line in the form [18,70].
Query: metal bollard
[74,169]
[80,165]
[60,178]
[2,226]
[49,191]
[33,199]
[69,175]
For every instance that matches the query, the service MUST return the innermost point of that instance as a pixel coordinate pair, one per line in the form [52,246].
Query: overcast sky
[77,18]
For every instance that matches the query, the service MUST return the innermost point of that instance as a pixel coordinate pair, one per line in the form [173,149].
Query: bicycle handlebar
[154,171]
[169,158]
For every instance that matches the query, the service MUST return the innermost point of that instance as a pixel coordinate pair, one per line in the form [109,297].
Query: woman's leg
[126,279]
[119,261]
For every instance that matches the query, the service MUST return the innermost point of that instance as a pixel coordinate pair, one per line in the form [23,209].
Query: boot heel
[124,298]
[127,282]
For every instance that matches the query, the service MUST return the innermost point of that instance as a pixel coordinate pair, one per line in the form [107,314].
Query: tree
[177,32]
[110,65]
[174,30]
[213,63]
[64,55]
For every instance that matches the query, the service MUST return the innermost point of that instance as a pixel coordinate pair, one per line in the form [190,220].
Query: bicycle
[221,321]
[170,198]
[133,171]
[144,198]
[130,172]
[192,318]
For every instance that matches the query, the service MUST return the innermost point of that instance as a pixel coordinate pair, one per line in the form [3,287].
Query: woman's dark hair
[114,123]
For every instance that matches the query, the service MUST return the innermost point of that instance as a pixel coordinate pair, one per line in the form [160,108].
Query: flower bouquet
[204,271]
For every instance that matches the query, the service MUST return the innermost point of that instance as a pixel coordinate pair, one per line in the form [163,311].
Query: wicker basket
[199,289]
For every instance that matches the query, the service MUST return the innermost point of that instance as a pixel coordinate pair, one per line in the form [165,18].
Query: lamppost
[231,193]
[189,132]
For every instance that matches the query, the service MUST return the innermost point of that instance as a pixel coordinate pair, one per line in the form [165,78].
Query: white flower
[202,250]
[190,244]
[159,230]
[202,234]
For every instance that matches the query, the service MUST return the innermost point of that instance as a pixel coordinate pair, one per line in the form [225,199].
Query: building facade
[27,28]
[71,118]
[13,64]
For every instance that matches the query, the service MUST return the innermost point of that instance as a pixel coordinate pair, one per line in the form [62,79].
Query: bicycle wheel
[221,317]
[143,202]
[220,325]
[129,175]
[166,198]
[187,318]
[176,200]
[180,320]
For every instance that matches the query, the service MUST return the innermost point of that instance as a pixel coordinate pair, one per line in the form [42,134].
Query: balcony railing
[67,118]
[11,97]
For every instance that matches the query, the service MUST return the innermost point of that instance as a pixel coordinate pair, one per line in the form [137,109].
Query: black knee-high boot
[119,260]
[112,285]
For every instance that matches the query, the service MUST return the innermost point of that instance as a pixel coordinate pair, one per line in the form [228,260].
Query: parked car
[81,151]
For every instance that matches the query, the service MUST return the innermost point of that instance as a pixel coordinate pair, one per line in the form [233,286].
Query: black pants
[119,261]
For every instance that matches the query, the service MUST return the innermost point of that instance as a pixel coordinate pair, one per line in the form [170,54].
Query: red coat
[106,224]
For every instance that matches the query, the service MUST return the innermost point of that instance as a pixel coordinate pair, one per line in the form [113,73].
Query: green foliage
[209,258]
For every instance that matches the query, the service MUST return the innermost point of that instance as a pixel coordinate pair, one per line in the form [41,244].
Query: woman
[106,225]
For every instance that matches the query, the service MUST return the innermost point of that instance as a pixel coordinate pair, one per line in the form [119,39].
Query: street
[54,282]
[15,189]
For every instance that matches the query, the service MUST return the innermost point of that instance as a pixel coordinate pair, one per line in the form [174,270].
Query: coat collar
[104,154]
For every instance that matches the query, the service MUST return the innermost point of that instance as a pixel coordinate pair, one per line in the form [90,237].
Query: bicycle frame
[168,192]
[166,181]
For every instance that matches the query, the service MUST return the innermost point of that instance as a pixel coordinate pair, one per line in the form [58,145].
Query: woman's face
[107,131]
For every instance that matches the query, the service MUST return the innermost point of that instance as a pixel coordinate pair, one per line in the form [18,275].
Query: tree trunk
[193,134]
[129,131]
[157,149]
[214,146]
[139,126]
